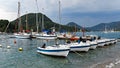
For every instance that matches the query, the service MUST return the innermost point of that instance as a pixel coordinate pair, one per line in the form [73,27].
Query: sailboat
[62,34]
[21,34]
[105,31]
[47,34]
[112,30]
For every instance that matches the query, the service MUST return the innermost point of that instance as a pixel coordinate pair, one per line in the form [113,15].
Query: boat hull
[101,43]
[22,36]
[79,47]
[93,46]
[53,52]
[46,37]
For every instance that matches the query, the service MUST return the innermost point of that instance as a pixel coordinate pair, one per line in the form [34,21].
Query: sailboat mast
[75,30]
[26,22]
[37,17]
[59,14]
[105,28]
[42,19]
[19,19]
[83,31]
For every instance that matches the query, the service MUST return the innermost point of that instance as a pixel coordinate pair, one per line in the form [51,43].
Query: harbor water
[101,57]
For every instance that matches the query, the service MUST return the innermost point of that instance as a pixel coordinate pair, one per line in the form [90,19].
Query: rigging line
[37,6]
[37,17]
[7,27]
[42,19]
[59,14]
[19,18]
[77,53]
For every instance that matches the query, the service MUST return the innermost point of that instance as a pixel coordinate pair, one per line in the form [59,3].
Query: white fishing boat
[93,44]
[113,41]
[92,40]
[82,46]
[55,50]
[108,41]
[101,42]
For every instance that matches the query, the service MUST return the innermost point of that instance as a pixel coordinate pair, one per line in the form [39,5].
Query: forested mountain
[74,25]
[109,26]
[31,21]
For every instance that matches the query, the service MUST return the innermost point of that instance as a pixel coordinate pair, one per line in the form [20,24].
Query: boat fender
[14,41]
[8,47]
[0,45]
[20,49]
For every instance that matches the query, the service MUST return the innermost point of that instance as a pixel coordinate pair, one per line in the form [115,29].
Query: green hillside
[3,25]
[108,26]
[31,19]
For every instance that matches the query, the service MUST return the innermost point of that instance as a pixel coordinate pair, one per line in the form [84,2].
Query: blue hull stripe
[53,50]
[107,41]
[100,42]
[79,46]
[93,45]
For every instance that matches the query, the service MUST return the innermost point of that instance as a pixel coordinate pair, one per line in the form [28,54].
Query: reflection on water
[29,58]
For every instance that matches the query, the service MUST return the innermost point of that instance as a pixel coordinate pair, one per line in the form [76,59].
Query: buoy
[0,45]
[8,47]
[20,49]
[14,41]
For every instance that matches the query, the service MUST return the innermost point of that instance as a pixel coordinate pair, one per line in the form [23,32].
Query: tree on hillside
[3,25]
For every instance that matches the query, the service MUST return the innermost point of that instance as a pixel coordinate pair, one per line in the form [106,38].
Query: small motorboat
[79,46]
[101,42]
[55,50]
[93,44]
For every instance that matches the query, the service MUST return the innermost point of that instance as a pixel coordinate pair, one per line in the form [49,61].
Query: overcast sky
[83,12]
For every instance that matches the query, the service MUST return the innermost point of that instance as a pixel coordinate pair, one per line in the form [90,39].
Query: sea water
[29,58]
